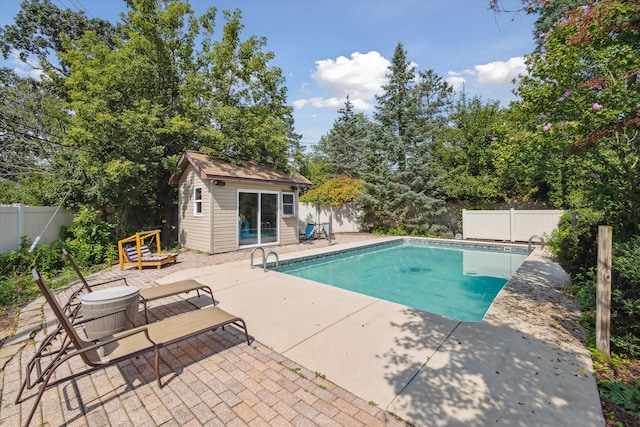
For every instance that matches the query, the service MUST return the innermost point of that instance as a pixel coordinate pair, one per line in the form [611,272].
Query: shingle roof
[210,167]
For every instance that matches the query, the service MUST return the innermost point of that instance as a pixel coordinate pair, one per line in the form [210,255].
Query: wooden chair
[123,345]
[133,251]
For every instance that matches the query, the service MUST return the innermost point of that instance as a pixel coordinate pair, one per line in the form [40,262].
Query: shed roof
[211,167]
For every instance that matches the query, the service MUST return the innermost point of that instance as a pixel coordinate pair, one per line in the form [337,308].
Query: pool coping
[390,241]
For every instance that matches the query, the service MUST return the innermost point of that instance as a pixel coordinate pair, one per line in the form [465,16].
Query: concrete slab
[376,351]
[284,311]
[494,375]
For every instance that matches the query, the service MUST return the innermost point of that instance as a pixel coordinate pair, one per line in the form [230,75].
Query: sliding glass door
[257,217]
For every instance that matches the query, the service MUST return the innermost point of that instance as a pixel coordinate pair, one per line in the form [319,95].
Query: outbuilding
[223,207]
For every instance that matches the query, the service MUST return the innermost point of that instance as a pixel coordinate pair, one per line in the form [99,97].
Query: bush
[576,245]
[17,286]
[427,230]
[89,241]
[625,297]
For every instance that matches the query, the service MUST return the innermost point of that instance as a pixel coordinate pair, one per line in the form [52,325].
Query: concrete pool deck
[524,365]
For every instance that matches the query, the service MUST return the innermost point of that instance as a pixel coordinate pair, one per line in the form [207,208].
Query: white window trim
[197,202]
[293,204]
[278,214]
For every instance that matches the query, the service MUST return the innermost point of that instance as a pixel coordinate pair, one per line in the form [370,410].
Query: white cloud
[28,69]
[500,72]
[361,77]
[456,80]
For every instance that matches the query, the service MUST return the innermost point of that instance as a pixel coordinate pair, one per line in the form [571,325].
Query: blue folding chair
[309,232]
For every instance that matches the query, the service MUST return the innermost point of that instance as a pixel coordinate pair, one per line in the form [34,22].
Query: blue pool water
[457,282]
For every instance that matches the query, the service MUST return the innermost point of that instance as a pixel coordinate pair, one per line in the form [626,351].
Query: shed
[223,207]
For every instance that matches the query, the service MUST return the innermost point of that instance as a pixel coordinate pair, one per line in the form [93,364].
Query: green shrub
[17,286]
[89,241]
[625,297]
[576,245]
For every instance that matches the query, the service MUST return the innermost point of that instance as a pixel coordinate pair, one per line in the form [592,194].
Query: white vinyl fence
[510,225]
[20,220]
[344,217]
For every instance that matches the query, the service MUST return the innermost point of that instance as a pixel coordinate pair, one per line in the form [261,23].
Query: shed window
[197,201]
[288,205]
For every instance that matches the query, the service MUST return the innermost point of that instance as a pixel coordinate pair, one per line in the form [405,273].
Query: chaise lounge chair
[325,230]
[147,294]
[123,345]
[309,232]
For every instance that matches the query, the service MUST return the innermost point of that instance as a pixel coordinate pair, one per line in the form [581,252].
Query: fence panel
[486,225]
[529,223]
[344,218]
[9,228]
[511,225]
[30,221]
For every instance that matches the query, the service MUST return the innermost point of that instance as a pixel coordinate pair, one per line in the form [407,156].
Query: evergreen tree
[342,149]
[400,187]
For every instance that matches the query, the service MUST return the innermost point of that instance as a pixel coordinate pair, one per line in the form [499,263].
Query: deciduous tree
[583,91]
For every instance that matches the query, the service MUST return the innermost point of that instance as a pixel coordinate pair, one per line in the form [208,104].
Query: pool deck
[524,365]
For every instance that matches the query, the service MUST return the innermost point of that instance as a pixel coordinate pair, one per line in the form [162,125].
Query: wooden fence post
[603,302]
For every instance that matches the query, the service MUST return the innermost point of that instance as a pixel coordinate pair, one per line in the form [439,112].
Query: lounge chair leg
[156,357]
[146,317]
[24,384]
[246,334]
[43,387]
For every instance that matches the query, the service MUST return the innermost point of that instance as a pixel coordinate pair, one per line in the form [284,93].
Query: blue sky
[329,49]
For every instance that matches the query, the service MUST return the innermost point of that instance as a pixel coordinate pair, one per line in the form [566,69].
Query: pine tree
[400,188]
[342,149]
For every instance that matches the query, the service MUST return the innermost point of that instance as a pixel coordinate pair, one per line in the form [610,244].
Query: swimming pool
[454,280]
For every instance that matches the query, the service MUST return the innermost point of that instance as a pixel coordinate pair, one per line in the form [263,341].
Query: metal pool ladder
[264,258]
[535,236]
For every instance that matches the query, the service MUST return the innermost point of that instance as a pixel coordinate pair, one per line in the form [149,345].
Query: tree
[583,89]
[31,125]
[335,192]
[401,188]
[39,29]
[465,155]
[138,100]
[32,117]
[342,149]
[131,117]
[244,98]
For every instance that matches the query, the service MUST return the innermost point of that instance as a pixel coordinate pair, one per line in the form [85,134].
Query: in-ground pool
[454,280]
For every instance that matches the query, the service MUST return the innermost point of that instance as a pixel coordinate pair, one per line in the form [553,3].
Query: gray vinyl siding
[288,230]
[216,231]
[225,219]
[194,231]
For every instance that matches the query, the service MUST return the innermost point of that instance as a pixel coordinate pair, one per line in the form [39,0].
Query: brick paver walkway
[214,379]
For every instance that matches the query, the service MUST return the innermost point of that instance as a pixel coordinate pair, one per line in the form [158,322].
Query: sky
[328,49]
